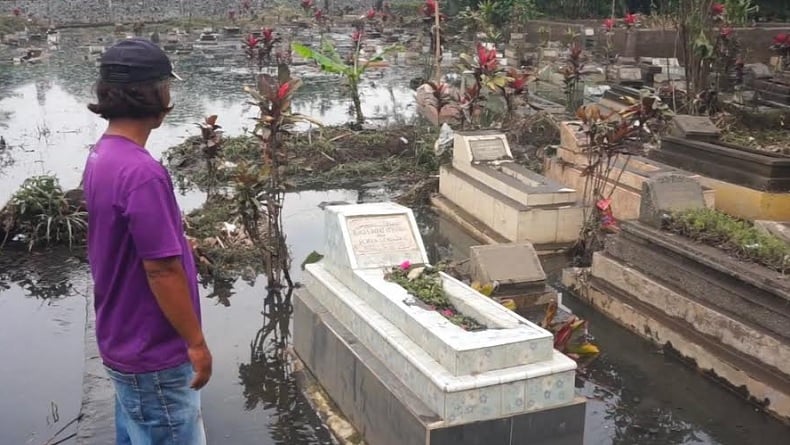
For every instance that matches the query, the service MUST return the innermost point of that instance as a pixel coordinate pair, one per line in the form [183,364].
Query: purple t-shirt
[133,216]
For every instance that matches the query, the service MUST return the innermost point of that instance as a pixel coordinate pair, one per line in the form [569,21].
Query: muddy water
[636,395]
[42,322]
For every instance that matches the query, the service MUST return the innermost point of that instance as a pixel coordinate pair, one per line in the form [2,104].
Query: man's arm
[169,284]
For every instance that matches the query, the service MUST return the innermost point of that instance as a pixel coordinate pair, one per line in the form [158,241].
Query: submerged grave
[486,188]
[749,183]
[726,316]
[402,373]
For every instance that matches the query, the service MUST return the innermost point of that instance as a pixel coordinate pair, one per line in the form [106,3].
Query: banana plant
[352,68]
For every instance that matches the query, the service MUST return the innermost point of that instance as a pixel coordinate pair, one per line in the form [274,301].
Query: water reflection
[268,378]
[636,394]
[46,276]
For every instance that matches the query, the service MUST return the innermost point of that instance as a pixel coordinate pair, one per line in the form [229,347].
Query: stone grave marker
[699,128]
[516,267]
[756,71]
[485,150]
[667,193]
[480,147]
[372,236]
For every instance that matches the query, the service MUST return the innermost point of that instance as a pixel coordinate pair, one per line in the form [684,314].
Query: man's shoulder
[131,166]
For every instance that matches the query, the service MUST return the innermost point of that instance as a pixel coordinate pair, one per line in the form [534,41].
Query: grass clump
[43,214]
[738,237]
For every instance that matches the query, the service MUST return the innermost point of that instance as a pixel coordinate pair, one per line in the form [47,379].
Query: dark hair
[133,100]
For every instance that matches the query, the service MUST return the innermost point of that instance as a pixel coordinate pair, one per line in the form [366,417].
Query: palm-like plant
[352,68]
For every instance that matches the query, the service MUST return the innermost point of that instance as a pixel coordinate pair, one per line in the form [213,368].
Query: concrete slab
[510,265]
[667,193]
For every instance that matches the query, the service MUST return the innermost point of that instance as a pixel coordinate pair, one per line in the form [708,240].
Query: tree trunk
[357,103]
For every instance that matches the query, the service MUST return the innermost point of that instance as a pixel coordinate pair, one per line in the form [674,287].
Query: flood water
[636,395]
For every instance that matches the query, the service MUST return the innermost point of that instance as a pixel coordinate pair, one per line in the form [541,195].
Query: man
[145,285]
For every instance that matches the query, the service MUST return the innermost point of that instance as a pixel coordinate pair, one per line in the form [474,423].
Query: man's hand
[200,357]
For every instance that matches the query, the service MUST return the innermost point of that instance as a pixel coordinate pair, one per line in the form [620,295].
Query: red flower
[284,90]
[725,32]
[518,84]
[356,37]
[268,35]
[608,25]
[487,58]
[307,4]
[781,40]
[371,14]
[717,9]
[630,19]
[252,41]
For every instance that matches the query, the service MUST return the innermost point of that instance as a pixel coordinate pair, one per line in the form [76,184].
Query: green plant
[44,214]
[426,285]
[738,237]
[740,12]
[352,68]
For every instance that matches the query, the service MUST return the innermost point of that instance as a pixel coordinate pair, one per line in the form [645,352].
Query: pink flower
[447,312]
[406,265]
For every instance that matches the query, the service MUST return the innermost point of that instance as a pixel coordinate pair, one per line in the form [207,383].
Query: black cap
[135,60]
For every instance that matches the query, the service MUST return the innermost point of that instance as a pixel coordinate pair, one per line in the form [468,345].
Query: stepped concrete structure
[404,374]
[485,187]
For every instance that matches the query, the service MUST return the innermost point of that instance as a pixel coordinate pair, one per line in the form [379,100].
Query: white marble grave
[507,369]
[486,183]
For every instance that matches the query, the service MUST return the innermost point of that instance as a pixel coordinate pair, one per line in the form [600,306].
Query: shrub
[42,213]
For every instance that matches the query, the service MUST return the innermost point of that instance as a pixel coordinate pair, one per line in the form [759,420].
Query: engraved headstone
[667,193]
[694,127]
[516,267]
[377,235]
[486,150]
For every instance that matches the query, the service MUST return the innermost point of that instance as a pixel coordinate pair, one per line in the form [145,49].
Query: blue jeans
[157,408]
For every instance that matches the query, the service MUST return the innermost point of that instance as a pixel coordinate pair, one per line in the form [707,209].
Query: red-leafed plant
[370,14]
[260,188]
[211,148]
[608,25]
[781,45]
[631,20]
[609,136]
[515,89]
[307,5]
[717,10]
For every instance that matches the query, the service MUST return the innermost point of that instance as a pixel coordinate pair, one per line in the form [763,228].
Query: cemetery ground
[636,392]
